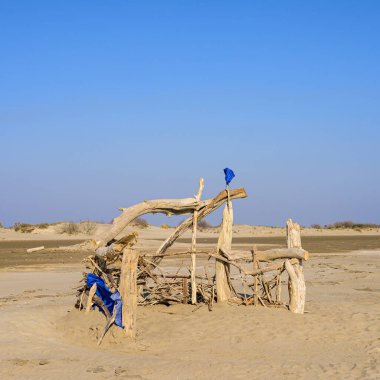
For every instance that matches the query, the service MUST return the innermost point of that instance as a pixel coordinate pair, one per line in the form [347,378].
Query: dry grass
[87,227]
[69,228]
[28,228]
[347,224]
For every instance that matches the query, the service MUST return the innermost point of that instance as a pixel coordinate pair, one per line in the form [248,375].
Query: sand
[44,337]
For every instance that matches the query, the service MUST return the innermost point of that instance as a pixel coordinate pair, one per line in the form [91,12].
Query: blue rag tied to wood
[110,299]
[228,175]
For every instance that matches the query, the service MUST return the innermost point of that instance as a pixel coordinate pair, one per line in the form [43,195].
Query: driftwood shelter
[140,278]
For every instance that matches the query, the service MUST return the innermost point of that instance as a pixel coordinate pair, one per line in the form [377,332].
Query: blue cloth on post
[228,175]
[106,296]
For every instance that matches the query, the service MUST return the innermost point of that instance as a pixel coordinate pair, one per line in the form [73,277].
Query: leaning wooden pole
[194,246]
[296,285]
[222,269]
[129,291]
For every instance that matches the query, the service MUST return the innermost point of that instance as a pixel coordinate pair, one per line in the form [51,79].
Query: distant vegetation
[69,228]
[165,226]
[87,227]
[346,224]
[27,228]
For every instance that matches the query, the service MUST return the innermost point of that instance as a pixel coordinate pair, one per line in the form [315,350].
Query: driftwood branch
[165,206]
[270,268]
[268,255]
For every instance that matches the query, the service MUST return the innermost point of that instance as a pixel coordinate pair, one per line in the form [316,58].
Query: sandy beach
[189,190]
[43,336]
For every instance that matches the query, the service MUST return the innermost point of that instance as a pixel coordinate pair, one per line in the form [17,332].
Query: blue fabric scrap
[109,298]
[228,175]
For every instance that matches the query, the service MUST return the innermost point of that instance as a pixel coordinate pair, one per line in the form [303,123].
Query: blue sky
[106,103]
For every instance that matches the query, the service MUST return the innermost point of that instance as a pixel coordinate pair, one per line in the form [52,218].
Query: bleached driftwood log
[194,246]
[267,255]
[222,269]
[31,250]
[296,285]
[165,206]
[168,207]
[293,234]
[129,291]
[297,288]
[207,208]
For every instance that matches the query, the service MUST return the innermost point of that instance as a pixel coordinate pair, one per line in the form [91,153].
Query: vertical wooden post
[185,291]
[222,269]
[293,234]
[194,246]
[296,285]
[255,280]
[129,291]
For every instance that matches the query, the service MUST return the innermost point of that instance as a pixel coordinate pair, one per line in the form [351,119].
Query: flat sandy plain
[44,337]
